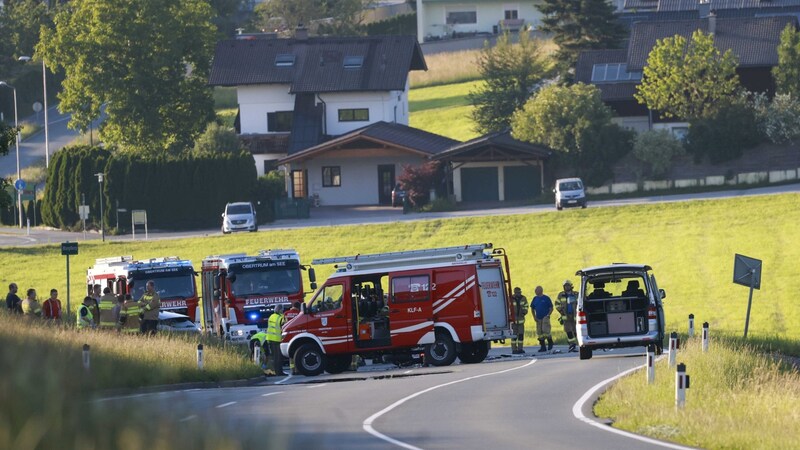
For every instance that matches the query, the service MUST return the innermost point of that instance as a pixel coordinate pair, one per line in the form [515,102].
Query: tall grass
[739,397]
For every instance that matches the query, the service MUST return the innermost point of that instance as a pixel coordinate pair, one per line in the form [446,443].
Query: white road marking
[225,405]
[317,386]
[288,377]
[407,371]
[577,411]
[367,425]
[188,418]
[272,393]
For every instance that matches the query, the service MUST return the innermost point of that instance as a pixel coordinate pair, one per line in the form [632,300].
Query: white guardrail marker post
[691,325]
[257,355]
[199,356]
[681,385]
[86,360]
[651,369]
[705,337]
[673,348]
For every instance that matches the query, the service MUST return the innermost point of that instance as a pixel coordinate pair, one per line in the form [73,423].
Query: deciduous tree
[657,149]
[688,80]
[147,61]
[511,74]
[787,72]
[579,25]
[217,139]
[20,21]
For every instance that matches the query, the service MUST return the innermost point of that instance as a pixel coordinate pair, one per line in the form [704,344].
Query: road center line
[367,425]
[316,386]
[577,411]
[225,405]
[272,393]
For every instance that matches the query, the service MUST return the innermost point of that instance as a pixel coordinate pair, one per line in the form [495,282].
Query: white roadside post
[681,385]
[691,325]
[86,359]
[673,348]
[199,356]
[651,369]
[705,337]
[257,355]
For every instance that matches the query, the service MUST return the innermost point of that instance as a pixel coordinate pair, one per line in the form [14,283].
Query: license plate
[572,201]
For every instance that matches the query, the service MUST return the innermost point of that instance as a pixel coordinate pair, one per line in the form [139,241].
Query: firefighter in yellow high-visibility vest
[520,305]
[274,327]
[260,340]
[129,316]
[106,304]
[149,304]
[566,305]
[85,318]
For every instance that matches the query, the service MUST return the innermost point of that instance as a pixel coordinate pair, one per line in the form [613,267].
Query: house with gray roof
[616,73]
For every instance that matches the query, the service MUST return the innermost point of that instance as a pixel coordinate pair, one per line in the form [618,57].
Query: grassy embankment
[443,110]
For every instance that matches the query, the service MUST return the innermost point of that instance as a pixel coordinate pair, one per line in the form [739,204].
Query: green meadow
[443,110]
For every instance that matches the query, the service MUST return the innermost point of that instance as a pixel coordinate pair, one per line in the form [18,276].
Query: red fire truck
[447,302]
[240,291]
[174,280]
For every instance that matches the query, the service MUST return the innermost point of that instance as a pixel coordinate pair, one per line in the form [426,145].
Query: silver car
[239,216]
[174,322]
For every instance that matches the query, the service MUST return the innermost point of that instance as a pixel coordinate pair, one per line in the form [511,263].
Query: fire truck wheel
[308,360]
[337,363]
[474,352]
[443,350]
[585,353]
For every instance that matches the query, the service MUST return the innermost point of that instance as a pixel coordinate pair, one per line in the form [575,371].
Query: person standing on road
[30,306]
[542,308]
[520,305]
[13,302]
[566,305]
[274,327]
[149,304]
[84,318]
[51,309]
[107,303]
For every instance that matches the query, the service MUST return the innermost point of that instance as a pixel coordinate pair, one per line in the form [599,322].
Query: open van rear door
[659,308]
[493,298]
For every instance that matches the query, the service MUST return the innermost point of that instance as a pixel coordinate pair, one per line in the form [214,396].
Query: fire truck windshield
[264,281]
[175,285]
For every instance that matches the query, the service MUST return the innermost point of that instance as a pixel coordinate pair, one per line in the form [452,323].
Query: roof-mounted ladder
[411,257]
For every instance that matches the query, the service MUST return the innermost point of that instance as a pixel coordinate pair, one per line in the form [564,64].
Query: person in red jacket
[51,309]
[292,312]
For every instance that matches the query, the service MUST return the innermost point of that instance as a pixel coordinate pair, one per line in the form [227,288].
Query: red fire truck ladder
[472,252]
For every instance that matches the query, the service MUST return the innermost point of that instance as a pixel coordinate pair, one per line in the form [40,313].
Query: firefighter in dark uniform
[520,305]
[566,305]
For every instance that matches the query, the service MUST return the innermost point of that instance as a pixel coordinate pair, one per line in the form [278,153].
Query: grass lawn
[443,110]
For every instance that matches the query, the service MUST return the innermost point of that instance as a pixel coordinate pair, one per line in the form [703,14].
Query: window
[331,176]
[354,115]
[299,186]
[353,62]
[415,288]
[461,17]
[286,60]
[511,14]
[328,299]
[279,121]
[609,73]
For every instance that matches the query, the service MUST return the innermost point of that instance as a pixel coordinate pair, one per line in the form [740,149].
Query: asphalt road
[504,402]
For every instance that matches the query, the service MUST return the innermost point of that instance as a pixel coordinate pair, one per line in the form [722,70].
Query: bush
[268,188]
[724,136]
[657,148]
[402,24]
[779,119]
[419,180]
[217,139]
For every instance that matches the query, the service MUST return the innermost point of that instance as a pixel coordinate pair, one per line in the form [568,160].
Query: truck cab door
[410,309]
[329,318]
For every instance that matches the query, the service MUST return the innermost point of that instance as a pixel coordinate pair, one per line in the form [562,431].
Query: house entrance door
[385,183]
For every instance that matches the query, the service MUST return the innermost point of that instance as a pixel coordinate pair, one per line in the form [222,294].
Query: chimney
[712,23]
[703,8]
[301,32]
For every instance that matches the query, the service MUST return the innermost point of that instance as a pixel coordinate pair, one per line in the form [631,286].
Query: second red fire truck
[446,302]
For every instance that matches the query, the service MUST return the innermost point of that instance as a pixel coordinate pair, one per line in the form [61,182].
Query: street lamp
[16,125]
[46,133]
[102,224]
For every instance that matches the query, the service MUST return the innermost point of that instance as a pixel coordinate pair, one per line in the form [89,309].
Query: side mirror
[663,293]
[554,191]
[312,275]
[231,277]
[313,285]
[222,215]
[303,308]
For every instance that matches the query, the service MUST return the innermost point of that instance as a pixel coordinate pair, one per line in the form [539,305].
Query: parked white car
[569,192]
[240,216]
[174,322]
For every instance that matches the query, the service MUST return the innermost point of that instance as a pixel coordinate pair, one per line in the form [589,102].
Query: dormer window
[285,60]
[353,62]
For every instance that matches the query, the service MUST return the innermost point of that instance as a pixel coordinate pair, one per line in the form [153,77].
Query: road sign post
[67,249]
[747,272]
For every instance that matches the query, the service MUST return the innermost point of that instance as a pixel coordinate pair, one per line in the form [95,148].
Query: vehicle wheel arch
[444,327]
[304,338]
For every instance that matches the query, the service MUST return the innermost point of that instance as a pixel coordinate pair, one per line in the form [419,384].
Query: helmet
[567,283]
[516,289]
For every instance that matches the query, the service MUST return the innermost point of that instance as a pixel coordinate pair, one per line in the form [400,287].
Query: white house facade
[437,19]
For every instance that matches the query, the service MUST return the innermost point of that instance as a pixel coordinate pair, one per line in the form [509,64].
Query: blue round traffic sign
[19,184]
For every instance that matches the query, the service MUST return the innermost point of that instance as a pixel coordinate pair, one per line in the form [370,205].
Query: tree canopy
[688,80]
[578,25]
[20,21]
[339,17]
[511,74]
[147,61]
[787,72]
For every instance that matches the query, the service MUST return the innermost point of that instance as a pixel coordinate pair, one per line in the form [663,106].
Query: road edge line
[367,424]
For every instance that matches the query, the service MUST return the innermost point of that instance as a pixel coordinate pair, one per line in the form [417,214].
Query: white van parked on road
[239,216]
[569,192]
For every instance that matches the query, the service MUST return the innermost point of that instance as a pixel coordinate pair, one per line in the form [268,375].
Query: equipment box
[621,323]
[598,329]
[365,331]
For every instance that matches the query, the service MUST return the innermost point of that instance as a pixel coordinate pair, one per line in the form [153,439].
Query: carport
[494,167]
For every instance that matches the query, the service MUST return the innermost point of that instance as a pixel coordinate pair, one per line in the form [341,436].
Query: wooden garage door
[479,184]
[521,182]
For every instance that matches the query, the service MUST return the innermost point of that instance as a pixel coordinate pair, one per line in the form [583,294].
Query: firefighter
[150,303]
[260,339]
[542,308]
[129,316]
[30,306]
[85,318]
[274,326]
[520,304]
[106,305]
[566,304]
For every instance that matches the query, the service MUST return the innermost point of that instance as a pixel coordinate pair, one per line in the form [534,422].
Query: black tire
[225,232]
[474,352]
[309,360]
[585,353]
[443,350]
[584,205]
[337,363]
[559,207]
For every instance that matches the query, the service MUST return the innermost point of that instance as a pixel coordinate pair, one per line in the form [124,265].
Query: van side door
[410,310]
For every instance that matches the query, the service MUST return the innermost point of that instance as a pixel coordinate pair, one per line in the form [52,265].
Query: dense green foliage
[147,61]
[217,139]
[189,191]
[778,118]
[725,135]
[20,21]
[8,135]
[578,25]
[787,72]
[340,17]
[657,148]
[688,80]
[574,121]
[512,73]
[401,24]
